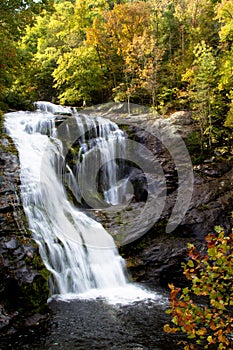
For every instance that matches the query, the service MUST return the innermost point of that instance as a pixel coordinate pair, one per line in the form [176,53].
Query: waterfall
[102,136]
[76,249]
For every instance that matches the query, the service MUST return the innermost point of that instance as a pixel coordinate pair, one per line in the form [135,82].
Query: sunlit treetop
[16,14]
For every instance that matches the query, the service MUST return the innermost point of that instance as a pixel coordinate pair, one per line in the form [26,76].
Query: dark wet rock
[13,243]
[5,318]
[155,256]
[33,320]
[23,277]
[138,180]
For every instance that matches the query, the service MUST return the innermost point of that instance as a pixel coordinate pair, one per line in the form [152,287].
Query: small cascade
[93,135]
[48,107]
[107,140]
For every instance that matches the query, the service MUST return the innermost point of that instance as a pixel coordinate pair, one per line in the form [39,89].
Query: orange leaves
[213,326]
[174,291]
[121,24]
[222,338]
[126,44]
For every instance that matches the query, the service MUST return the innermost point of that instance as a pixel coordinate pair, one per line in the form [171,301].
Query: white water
[79,253]
[103,139]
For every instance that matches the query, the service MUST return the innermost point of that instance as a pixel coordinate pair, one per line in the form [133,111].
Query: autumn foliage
[204,311]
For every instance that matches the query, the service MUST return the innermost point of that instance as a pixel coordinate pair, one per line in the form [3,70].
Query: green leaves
[202,85]
[78,75]
[14,16]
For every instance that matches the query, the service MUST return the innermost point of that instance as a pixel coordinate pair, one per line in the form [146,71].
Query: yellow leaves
[188,75]
[189,347]
[168,329]
[175,320]
[210,339]
[127,20]
[190,264]
[202,331]
[126,43]
[224,12]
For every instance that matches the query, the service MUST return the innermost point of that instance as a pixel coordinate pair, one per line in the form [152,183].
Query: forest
[170,55]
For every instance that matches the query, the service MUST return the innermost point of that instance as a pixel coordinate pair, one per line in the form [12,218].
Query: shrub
[208,322]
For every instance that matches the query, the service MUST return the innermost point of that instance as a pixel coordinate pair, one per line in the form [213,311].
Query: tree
[14,16]
[112,36]
[86,11]
[42,45]
[224,12]
[197,22]
[52,40]
[202,82]
[78,76]
[208,323]
[142,64]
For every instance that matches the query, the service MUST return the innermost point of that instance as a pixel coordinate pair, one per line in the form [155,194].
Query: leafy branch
[208,324]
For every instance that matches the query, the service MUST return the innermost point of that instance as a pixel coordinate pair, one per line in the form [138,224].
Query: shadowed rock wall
[23,277]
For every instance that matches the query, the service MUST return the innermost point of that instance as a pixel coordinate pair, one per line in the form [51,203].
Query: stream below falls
[91,324]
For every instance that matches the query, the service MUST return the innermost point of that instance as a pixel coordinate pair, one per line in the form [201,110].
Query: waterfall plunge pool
[93,323]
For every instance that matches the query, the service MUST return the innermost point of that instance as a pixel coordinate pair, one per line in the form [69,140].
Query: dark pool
[95,324]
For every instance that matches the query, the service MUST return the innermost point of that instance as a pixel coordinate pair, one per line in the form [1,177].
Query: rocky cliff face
[155,257]
[23,278]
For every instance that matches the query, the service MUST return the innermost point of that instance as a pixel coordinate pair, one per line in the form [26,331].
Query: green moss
[9,146]
[203,207]
[22,295]
[33,296]
[1,120]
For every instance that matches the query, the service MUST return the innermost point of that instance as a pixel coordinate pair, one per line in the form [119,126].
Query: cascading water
[102,135]
[77,250]
[105,140]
